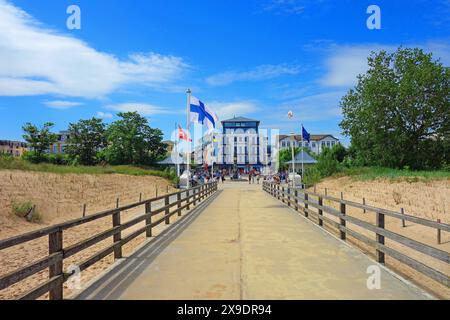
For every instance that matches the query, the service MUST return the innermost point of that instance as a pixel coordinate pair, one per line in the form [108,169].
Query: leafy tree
[39,139]
[86,139]
[399,112]
[132,141]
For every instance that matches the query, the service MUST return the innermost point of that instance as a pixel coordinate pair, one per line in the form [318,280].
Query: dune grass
[372,173]
[9,163]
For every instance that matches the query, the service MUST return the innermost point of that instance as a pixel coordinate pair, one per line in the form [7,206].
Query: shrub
[23,210]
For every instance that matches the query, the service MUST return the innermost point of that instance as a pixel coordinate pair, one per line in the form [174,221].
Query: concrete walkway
[246,245]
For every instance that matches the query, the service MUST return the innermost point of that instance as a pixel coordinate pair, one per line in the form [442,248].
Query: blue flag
[305,135]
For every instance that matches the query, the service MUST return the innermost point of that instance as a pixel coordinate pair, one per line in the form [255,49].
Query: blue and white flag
[200,113]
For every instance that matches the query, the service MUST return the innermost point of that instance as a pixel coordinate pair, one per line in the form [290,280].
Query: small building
[59,146]
[306,159]
[318,142]
[170,145]
[13,148]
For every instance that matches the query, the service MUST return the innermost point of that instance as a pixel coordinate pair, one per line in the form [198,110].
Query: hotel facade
[240,145]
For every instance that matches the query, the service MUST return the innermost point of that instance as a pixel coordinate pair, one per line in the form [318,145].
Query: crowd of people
[202,176]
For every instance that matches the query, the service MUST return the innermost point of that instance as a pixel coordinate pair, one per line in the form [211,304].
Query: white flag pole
[177,139]
[188,126]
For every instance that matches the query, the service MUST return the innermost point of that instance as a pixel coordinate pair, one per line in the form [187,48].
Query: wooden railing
[312,206]
[57,253]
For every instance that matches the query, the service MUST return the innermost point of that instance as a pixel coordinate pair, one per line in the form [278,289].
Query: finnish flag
[200,113]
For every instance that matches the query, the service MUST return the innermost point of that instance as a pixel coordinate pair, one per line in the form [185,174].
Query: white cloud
[62,105]
[142,108]
[226,110]
[35,60]
[316,107]
[104,115]
[263,72]
[285,6]
[345,62]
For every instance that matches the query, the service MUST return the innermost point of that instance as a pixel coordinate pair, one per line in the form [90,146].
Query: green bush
[22,209]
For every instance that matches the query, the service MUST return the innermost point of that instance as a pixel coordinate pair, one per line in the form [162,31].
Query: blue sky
[251,58]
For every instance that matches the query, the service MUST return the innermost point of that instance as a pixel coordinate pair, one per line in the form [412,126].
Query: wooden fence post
[380,238]
[289,196]
[320,212]
[282,194]
[117,203]
[306,205]
[194,195]
[438,233]
[342,222]
[296,199]
[179,203]
[118,236]
[55,244]
[364,203]
[156,190]
[84,210]
[140,197]
[403,220]
[167,211]
[148,220]
[188,199]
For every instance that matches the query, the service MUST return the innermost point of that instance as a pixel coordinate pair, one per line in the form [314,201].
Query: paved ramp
[246,245]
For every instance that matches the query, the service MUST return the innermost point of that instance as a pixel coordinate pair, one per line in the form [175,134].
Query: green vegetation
[371,173]
[398,115]
[24,209]
[38,139]
[86,138]
[127,141]
[11,163]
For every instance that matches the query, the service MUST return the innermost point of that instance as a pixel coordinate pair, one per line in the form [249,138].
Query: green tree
[399,112]
[132,141]
[39,139]
[86,139]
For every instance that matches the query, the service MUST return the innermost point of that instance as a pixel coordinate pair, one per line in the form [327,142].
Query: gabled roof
[240,119]
[307,159]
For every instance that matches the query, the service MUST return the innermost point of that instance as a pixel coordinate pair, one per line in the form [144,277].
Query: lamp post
[291,116]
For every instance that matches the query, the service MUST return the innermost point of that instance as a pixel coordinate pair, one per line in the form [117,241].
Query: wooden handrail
[304,197]
[57,253]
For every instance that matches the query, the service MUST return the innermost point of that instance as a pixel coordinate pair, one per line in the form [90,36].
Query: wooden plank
[413,244]
[414,264]
[82,245]
[55,245]
[28,270]
[342,220]
[43,288]
[167,203]
[148,219]
[380,238]
[117,236]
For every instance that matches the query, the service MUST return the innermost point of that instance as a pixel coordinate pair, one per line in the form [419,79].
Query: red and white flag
[183,135]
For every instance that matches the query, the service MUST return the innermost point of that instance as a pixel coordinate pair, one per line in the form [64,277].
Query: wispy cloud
[35,60]
[263,72]
[285,6]
[226,110]
[345,62]
[144,109]
[104,115]
[62,105]
[316,107]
